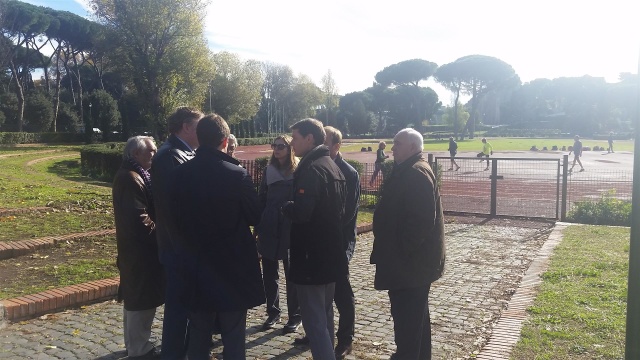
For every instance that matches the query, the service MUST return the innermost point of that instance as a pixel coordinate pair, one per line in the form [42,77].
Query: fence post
[434,167]
[565,177]
[494,187]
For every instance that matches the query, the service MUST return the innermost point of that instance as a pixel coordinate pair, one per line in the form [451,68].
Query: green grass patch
[57,182]
[499,144]
[580,310]
[70,263]
[365,216]
[53,222]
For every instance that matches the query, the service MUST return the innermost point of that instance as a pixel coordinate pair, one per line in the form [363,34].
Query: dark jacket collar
[178,143]
[313,154]
[209,151]
[408,163]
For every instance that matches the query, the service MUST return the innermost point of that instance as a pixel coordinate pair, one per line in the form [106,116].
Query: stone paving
[485,263]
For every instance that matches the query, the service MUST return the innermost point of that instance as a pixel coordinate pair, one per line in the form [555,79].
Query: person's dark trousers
[411,323]
[175,335]
[270,277]
[346,305]
[232,332]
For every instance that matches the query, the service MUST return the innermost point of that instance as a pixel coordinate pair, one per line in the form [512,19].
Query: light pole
[91,116]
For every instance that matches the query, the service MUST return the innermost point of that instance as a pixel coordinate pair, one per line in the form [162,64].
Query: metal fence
[525,187]
[528,187]
[501,186]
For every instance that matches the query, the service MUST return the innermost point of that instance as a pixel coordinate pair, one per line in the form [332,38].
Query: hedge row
[101,161]
[8,138]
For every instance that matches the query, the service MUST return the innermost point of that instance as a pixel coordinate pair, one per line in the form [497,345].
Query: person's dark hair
[182,115]
[212,130]
[310,126]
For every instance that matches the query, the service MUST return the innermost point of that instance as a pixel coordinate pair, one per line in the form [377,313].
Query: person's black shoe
[271,322]
[343,350]
[301,340]
[291,326]
[151,354]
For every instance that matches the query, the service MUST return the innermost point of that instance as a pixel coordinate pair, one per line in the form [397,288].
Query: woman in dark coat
[274,230]
[142,285]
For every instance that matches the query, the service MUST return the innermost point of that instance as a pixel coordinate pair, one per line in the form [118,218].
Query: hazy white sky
[358,38]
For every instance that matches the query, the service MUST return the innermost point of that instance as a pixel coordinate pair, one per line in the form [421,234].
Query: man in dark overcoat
[142,283]
[214,203]
[179,148]
[408,247]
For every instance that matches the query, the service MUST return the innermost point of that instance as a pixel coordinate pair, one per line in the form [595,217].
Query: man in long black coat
[141,274]
[408,246]
[214,203]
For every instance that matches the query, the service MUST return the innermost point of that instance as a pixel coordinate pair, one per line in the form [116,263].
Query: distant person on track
[142,281]
[453,150]
[487,150]
[577,152]
[610,141]
[380,158]
[233,145]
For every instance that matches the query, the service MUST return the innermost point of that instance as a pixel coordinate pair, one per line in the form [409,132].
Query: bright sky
[358,38]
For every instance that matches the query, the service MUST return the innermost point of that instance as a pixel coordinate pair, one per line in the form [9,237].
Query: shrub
[9,138]
[38,112]
[606,211]
[356,165]
[101,161]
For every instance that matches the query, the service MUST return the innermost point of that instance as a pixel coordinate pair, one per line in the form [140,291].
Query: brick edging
[34,305]
[11,249]
[506,332]
[360,229]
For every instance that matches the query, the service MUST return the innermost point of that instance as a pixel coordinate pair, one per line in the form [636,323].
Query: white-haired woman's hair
[135,144]
[233,140]
[414,137]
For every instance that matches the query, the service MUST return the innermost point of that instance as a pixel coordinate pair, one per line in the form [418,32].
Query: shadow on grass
[70,170]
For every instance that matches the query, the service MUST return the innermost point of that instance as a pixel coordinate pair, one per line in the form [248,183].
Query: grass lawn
[31,180]
[499,144]
[580,311]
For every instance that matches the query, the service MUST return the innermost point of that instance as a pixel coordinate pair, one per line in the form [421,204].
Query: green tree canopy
[236,87]
[163,52]
[408,72]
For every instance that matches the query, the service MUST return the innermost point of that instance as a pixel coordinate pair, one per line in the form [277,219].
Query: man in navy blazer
[179,148]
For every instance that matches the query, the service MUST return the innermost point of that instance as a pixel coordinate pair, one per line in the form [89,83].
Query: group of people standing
[184,219]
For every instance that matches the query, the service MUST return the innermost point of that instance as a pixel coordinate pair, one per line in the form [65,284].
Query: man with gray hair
[142,284]
[408,246]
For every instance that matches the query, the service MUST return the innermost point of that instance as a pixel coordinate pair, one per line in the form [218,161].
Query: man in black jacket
[344,298]
[179,148]
[317,252]
[408,246]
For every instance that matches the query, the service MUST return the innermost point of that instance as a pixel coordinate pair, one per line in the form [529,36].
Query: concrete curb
[11,249]
[506,332]
[34,305]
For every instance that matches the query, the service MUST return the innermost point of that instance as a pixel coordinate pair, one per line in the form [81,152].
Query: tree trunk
[56,103]
[20,95]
